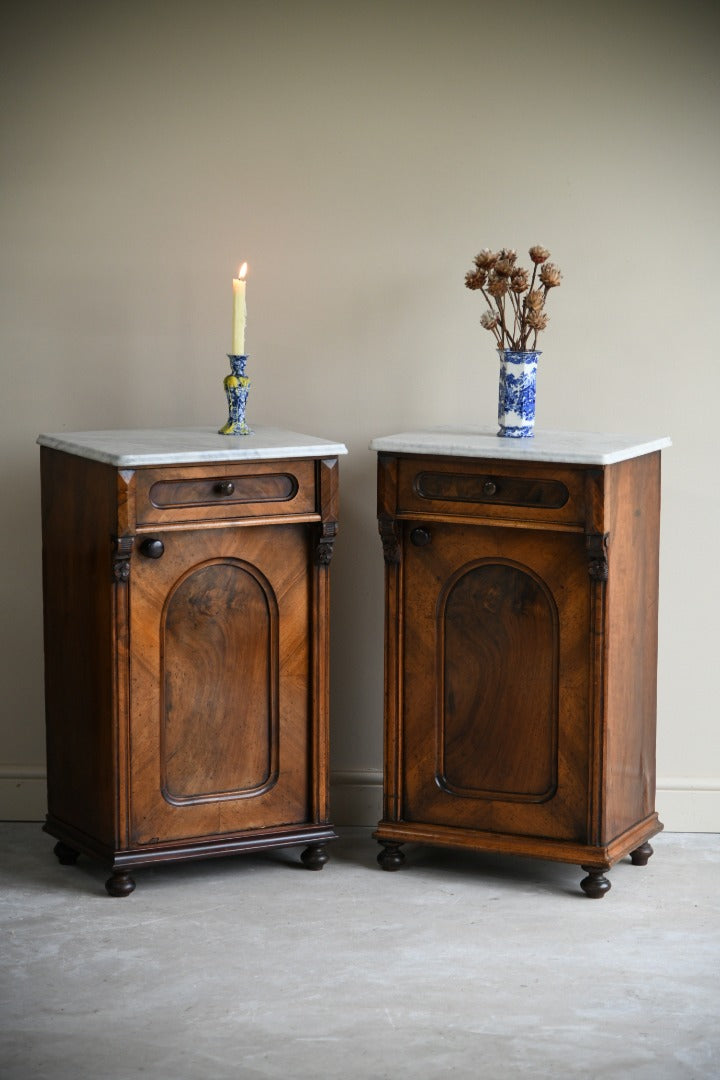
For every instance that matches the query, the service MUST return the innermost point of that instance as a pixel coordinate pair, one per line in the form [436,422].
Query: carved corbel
[390,537]
[122,550]
[324,542]
[597,550]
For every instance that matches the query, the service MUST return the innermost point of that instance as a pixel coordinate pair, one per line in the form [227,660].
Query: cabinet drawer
[495,489]
[260,489]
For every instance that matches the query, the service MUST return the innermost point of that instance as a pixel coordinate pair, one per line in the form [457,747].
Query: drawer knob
[225,487]
[489,487]
[420,537]
[152,549]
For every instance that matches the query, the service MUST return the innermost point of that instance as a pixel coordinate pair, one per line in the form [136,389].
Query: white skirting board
[685,804]
[22,793]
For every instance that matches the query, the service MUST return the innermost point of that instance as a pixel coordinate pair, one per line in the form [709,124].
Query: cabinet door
[220,645]
[495,680]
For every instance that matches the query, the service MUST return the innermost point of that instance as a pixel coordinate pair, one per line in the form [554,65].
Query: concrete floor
[459,966]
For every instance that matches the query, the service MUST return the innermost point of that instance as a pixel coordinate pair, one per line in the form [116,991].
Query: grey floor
[459,966]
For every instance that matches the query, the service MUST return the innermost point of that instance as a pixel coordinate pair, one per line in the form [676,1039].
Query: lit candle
[239,312]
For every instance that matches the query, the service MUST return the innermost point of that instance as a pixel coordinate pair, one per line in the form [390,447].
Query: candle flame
[242,271]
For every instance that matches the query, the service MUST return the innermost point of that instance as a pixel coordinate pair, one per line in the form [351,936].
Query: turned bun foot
[119,883]
[315,856]
[391,857]
[640,856]
[595,885]
[67,856]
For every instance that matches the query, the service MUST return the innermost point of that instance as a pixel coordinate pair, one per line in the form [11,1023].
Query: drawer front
[494,489]
[201,493]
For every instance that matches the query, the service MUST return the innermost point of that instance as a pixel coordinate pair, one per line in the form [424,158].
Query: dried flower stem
[526,332]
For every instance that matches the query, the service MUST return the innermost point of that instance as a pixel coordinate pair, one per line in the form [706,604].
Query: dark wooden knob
[151,548]
[225,487]
[420,537]
[489,487]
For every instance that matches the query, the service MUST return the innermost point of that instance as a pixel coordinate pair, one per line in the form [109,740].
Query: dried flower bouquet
[516,299]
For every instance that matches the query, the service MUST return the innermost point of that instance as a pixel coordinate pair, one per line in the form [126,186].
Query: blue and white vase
[516,400]
[237,387]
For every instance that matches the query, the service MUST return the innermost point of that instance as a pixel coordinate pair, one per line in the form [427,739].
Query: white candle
[239,312]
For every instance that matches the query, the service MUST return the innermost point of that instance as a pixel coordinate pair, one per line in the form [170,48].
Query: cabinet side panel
[633,493]
[390,535]
[327,487]
[78,515]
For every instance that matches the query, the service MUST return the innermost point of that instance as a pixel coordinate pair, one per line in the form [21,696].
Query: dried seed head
[550,275]
[537,320]
[475,279]
[519,280]
[497,286]
[539,254]
[535,299]
[486,259]
[489,320]
[503,267]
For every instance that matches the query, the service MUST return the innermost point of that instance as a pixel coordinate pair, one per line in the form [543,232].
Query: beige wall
[358,155]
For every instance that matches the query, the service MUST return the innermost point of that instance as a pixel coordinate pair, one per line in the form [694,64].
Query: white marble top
[182,446]
[572,447]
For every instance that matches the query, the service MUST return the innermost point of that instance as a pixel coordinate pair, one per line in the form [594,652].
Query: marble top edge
[573,447]
[183,446]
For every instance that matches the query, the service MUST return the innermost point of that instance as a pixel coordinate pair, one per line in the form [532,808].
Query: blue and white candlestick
[516,398]
[237,387]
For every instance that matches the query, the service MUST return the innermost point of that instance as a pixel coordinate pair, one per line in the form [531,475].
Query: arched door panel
[492,611]
[220,671]
[495,675]
[218,677]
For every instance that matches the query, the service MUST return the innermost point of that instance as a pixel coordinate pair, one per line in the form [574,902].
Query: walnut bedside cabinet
[520,644]
[185,580]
